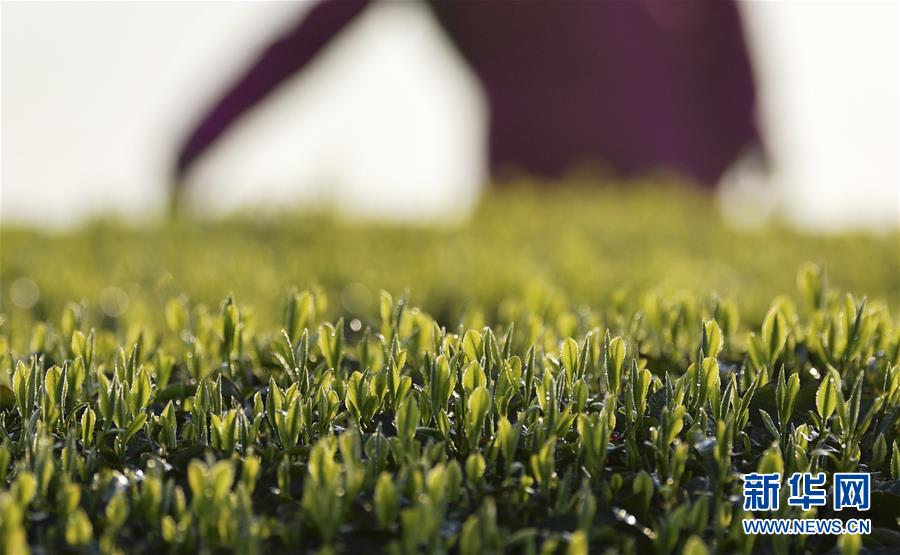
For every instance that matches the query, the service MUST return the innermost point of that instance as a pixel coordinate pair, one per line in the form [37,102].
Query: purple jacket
[641,85]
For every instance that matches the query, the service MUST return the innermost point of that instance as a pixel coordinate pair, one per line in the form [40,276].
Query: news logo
[850,490]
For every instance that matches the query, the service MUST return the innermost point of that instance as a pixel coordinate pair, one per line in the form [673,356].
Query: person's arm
[279,61]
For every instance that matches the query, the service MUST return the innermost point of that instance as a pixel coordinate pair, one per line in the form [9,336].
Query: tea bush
[581,245]
[549,430]
[583,371]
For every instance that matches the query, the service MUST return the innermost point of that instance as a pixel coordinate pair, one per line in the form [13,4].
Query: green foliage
[549,245]
[520,420]
[296,442]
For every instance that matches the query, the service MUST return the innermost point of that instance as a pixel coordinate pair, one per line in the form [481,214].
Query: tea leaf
[826,398]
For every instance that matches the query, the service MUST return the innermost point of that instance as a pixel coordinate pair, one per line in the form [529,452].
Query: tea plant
[550,429]
[559,246]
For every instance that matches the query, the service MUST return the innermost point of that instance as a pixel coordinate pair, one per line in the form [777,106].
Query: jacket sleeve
[279,61]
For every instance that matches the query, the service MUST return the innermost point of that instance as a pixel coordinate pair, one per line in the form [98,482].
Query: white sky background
[95,98]
[830,108]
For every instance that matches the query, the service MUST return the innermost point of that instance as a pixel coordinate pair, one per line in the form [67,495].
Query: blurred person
[640,86]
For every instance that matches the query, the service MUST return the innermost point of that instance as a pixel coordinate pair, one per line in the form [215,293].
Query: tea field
[582,371]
